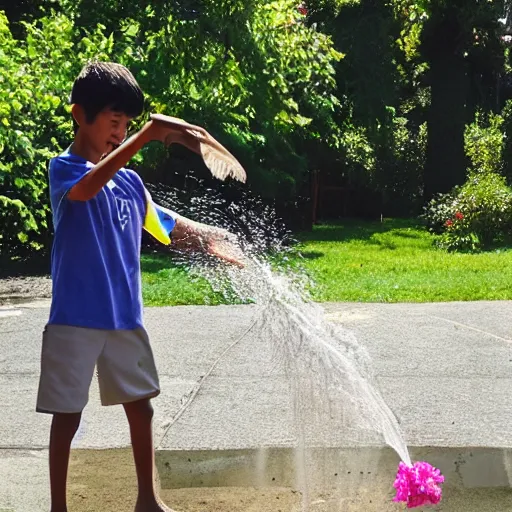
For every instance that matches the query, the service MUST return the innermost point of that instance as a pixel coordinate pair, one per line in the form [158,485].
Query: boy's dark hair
[103,85]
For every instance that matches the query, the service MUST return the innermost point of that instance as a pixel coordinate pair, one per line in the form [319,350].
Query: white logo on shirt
[123,211]
[123,207]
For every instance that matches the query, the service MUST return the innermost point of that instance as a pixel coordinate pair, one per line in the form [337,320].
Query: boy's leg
[140,419]
[68,358]
[128,376]
[64,427]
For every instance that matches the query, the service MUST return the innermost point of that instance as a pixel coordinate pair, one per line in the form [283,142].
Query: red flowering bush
[475,216]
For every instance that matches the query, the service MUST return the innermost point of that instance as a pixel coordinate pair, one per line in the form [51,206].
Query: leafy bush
[35,124]
[475,216]
[478,214]
[484,143]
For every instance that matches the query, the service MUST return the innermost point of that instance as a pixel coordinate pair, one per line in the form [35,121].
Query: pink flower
[418,485]
[459,216]
[448,223]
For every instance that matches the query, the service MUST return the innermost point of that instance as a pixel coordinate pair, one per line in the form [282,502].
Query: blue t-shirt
[96,250]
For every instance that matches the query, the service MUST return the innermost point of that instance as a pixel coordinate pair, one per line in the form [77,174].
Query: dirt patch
[105,481]
[16,290]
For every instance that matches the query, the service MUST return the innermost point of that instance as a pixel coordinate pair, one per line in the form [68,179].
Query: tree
[459,42]
[382,107]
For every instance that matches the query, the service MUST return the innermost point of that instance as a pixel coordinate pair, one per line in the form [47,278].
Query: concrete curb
[346,469]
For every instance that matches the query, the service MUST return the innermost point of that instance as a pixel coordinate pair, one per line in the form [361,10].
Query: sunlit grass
[396,261]
[393,261]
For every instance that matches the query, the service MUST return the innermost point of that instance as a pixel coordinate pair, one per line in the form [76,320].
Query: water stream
[336,401]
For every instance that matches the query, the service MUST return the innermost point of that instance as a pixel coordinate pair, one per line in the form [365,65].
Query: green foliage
[264,85]
[454,48]
[359,154]
[28,120]
[412,15]
[345,89]
[401,162]
[507,140]
[475,216]
[382,105]
[478,214]
[328,7]
[477,21]
[484,143]
[251,72]
[35,74]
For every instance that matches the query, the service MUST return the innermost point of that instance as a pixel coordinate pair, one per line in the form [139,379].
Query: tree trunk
[445,37]
[446,161]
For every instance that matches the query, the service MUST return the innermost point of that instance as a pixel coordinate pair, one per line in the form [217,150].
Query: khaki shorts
[124,360]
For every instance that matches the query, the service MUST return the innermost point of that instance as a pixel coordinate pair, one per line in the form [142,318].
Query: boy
[99,209]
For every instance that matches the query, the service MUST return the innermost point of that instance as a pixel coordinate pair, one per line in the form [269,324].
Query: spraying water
[334,395]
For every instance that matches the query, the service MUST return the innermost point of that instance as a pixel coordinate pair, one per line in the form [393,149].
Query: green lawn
[166,284]
[393,261]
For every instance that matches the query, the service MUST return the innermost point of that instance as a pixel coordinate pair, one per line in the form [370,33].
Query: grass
[166,284]
[393,261]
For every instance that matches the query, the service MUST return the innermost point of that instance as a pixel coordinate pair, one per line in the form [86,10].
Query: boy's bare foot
[153,506]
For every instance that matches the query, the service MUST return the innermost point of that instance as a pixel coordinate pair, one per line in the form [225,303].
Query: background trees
[372,107]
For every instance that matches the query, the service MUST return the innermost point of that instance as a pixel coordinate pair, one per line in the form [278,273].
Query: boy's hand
[196,236]
[162,132]
[223,245]
[217,158]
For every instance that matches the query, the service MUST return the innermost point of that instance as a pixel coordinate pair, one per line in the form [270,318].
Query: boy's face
[106,132]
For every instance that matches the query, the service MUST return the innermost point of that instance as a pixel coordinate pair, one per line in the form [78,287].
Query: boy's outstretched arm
[218,242]
[104,171]
[187,234]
